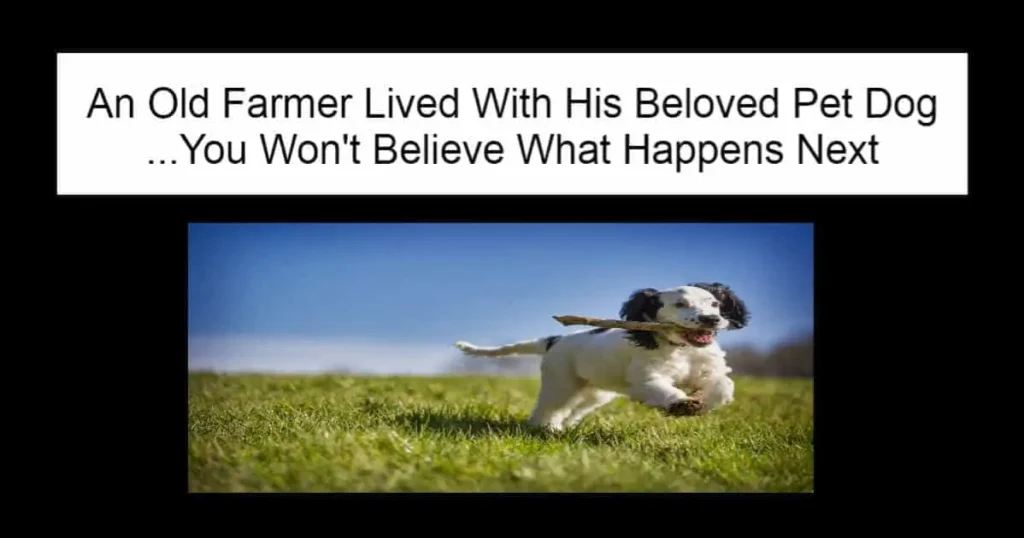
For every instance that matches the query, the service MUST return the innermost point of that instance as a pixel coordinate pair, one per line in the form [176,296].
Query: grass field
[464,434]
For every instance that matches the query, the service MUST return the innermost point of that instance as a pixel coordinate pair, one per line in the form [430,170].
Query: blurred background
[391,299]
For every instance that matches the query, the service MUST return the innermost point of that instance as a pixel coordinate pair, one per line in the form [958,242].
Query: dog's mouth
[698,337]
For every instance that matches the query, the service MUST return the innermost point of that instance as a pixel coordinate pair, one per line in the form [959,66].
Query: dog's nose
[709,320]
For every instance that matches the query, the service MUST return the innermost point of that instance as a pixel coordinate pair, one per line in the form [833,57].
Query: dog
[680,374]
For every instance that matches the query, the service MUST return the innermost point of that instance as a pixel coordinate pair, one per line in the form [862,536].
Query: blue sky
[391,298]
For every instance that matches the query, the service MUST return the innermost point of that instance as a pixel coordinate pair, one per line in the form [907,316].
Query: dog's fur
[585,370]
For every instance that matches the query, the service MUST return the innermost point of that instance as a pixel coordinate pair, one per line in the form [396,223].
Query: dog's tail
[526,347]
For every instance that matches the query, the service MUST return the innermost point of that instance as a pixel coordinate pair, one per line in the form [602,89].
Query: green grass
[465,434]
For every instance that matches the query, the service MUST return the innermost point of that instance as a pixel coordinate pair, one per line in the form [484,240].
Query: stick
[617,324]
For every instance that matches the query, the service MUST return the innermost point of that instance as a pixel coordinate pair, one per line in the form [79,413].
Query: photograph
[522,357]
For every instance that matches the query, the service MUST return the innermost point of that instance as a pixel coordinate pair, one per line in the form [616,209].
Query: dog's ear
[642,305]
[733,308]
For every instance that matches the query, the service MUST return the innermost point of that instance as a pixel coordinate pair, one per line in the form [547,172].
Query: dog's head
[701,308]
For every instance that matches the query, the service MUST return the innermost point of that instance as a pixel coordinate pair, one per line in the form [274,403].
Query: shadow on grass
[472,425]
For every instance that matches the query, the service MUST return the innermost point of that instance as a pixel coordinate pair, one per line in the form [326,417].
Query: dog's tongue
[704,338]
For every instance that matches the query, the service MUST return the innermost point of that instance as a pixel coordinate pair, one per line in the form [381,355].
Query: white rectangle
[123,155]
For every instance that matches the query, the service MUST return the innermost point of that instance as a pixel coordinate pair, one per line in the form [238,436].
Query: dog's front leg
[659,392]
[719,391]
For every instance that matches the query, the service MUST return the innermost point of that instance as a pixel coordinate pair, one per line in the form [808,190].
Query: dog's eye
[715,304]
[682,304]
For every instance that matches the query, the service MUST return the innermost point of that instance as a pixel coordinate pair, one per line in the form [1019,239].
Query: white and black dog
[680,375]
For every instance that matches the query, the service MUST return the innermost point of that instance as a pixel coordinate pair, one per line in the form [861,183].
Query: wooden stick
[617,324]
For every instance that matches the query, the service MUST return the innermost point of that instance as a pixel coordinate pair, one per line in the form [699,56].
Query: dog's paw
[685,408]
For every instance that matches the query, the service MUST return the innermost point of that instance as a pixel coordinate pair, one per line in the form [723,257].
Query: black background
[886,270]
